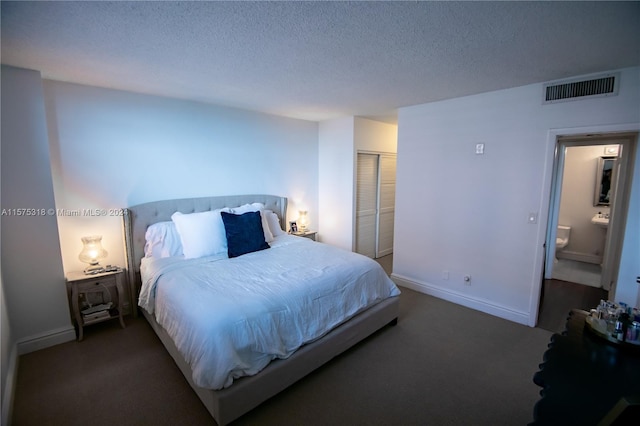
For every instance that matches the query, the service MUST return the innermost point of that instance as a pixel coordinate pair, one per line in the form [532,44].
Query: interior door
[386,204]
[366,204]
[375,204]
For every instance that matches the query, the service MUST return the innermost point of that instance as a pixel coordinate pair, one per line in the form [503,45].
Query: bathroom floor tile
[577,272]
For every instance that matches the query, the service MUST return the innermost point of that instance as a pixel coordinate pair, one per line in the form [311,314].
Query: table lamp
[303,221]
[91,253]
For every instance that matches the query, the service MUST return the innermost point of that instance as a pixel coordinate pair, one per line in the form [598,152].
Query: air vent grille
[577,89]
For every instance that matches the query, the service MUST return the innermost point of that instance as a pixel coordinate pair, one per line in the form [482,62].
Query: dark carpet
[560,297]
[442,364]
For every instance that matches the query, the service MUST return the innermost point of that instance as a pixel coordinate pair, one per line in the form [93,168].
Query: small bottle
[617,331]
[621,326]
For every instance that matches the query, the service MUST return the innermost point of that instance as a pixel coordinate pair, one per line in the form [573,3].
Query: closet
[375,203]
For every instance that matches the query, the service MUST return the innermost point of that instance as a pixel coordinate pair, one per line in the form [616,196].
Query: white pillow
[162,240]
[202,234]
[256,207]
[274,223]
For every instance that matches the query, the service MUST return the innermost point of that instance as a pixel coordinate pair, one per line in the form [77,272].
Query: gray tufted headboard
[138,218]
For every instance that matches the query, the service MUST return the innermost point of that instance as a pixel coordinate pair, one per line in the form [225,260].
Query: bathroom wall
[586,242]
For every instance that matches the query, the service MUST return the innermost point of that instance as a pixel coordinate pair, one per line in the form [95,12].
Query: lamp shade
[303,221]
[92,250]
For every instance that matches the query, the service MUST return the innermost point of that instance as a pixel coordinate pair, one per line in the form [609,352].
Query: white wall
[339,141]
[335,181]
[375,136]
[112,149]
[8,362]
[32,274]
[468,214]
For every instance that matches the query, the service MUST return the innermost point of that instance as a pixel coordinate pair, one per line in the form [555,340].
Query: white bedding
[261,306]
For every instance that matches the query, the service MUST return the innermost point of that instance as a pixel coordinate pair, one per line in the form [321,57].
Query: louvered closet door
[366,204]
[386,205]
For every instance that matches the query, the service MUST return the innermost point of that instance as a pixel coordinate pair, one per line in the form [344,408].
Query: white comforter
[230,317]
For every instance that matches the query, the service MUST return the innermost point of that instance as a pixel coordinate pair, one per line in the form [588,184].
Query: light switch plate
[479,148]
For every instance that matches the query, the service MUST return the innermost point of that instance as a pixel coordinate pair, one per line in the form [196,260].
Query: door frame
[548,191]
[617,220]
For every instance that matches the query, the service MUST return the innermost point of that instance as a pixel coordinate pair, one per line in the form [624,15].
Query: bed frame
[244,394]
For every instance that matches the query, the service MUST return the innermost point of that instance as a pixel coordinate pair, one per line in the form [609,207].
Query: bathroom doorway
[589,203]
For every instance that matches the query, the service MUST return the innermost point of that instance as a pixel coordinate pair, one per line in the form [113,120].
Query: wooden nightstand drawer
[96,285]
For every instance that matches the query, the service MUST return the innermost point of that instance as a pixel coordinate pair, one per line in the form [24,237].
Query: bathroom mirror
[604,178]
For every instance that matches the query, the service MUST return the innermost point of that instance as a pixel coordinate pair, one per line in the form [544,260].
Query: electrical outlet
[445,275]
[467,279]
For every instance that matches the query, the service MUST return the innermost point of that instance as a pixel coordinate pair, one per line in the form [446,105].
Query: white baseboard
[9,386]
[478,304]
[580,257]
[46,339]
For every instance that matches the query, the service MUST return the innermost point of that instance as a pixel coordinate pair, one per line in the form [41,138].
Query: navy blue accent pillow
[244,233]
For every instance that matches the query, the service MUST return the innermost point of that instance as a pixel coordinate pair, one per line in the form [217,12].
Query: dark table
[587,380]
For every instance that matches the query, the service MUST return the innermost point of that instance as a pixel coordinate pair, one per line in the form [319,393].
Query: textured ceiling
[318,60]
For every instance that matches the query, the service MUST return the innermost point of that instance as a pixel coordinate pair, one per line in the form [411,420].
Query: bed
[286,349]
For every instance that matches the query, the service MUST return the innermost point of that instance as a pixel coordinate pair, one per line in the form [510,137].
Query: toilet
[562,238]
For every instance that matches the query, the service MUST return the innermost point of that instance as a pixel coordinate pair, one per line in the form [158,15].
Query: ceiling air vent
[571,90]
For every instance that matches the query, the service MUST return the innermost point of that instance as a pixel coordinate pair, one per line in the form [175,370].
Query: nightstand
[307,234]
[80,285]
